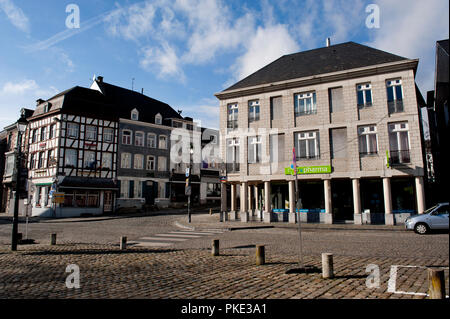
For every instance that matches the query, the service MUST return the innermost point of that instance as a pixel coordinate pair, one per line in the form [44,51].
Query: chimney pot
[100,79]
[328,42]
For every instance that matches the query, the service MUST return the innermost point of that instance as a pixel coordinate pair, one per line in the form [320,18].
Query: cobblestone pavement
[187,269]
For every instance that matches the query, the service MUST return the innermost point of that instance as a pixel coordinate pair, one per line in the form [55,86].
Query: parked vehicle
[435,217]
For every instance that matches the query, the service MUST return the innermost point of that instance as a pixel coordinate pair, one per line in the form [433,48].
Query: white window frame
[91,132]
[364,87]
[89,159]
[150,163]
[125,160]
[162,167]
[233,115]
[73,130]
[307,136]
[130,142]
[43,133]
[124,188]
[298,97]
[253,116]
[107,160]
[397,128]
[151,137]
[165,142]
[365,132]
[136,139]
[108,134]
[71,154]
[257,149]
[158,119]
[135,115]
[138,162]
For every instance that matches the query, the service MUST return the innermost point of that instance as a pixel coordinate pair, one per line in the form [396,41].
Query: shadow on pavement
[99,252]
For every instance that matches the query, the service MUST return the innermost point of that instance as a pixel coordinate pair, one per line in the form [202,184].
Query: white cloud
[259,54]
[11,88]
[164,59]
[412,31]
[205,112]
[15,15]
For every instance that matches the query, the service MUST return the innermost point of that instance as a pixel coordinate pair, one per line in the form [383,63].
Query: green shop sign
[308,170]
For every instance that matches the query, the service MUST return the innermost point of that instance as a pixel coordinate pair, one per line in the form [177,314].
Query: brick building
[350,113]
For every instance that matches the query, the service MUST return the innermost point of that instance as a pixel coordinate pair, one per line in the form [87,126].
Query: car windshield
[430,209]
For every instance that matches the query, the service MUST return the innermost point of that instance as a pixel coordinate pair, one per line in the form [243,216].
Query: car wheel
[421,228]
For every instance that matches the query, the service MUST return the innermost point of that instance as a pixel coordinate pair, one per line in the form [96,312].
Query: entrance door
[342,199]
[107,202]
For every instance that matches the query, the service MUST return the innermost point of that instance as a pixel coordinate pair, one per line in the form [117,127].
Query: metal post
[436,283]
[215,247]
[260,255]
[53,239]
[15,228]
[297,211]
[123,242]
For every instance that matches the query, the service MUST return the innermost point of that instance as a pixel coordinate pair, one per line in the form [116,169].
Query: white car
[435,217]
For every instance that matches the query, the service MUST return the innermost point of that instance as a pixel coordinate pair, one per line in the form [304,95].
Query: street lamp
[21,127]
[191,151]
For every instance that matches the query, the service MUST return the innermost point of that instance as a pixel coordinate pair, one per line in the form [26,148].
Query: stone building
[349,113]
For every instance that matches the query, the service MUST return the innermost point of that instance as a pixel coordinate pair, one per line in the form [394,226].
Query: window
[51,160]
[254,149]
[253,111]
[52,132]
[305,103]
[276,148]
[162,163]
[89,160]
[158,119]
[93,199]
[232,119]
[70,157]
[137,189]
[276,108]
[364,95]
[124,185]
[338,142]
[138,161]
[399,143]
[126,137]
[212,189]
[108,135]
[34,136]
[10,164]
[150,163]
[151,140]
[307,145]
[336,99]
[91,132]
[233,155]
[139,139]
[72,130]
[177,124]
[40,160]
[162,141]
[394,96]
[189,127]
[43,133]
[161,190]
[107,160]
[135,115]
[125,160]
[368,140]
[32,161]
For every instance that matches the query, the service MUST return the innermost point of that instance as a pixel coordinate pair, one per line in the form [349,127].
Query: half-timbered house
[72,140]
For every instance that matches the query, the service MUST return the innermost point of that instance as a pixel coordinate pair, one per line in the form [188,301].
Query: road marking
[192,233]
[181,235]
[170,238]
[159,238]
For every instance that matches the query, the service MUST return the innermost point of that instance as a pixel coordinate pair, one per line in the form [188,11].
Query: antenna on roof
[142,91]
[132,84]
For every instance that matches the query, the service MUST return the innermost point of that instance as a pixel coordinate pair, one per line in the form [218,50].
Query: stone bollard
[53,239]
[215,247]
[210,211]
[327,266]
[260,255]
[123,243]
[436,284]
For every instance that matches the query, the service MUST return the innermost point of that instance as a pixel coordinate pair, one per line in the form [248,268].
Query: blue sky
[182,52]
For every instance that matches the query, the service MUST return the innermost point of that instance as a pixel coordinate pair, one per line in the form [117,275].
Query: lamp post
[21,126]
[189,188]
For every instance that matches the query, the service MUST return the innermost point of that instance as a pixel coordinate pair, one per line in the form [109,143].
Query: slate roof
[339,57]
[113,102]
[444,44]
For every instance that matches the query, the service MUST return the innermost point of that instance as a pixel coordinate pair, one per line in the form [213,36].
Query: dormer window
[135,115]
[158,119]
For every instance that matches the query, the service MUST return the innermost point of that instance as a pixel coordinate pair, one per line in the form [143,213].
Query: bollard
[123,243]
[53,239]
[215,247]
[210,211]
[436,284]
[260,255]
[19,237]
[327,266]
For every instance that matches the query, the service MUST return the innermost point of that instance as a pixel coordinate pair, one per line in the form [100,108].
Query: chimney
[142,91]
[39,101]
[100,79]
[328,42]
